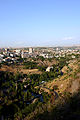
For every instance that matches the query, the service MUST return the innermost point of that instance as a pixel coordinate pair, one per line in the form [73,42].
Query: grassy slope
[64,107]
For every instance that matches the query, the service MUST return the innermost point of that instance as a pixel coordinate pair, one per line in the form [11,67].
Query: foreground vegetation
[21,97]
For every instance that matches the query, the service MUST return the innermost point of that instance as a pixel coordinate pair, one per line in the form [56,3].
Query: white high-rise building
[30,50]
[22,54]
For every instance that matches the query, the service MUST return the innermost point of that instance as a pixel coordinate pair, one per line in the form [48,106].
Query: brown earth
[20,69]
[67,81]
[46,62]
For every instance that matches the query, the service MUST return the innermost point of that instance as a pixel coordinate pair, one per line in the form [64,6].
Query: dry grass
[20,69]
[66,81]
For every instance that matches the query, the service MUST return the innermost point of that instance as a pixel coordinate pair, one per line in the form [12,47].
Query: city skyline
[39,23]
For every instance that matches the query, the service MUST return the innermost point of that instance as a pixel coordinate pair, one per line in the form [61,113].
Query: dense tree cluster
[30,65]
[17,91]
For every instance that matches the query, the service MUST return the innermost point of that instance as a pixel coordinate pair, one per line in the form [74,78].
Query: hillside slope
[67,105]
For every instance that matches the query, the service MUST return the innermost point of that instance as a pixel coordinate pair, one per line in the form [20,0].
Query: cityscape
[12,55]
[33,79]
[39,59]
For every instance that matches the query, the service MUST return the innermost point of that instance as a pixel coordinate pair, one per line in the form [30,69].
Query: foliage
[30,65]
[15,96]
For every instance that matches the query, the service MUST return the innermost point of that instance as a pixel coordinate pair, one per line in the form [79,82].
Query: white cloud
[68,38]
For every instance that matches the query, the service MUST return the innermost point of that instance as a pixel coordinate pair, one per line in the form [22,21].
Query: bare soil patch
[20,69]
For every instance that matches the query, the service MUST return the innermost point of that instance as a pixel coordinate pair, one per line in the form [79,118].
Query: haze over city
[26,23]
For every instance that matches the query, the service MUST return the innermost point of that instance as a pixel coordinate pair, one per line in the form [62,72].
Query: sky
[39,23]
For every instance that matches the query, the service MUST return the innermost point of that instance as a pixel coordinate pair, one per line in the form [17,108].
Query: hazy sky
[39,22]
